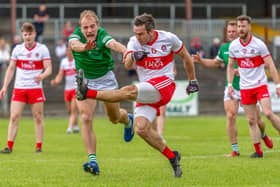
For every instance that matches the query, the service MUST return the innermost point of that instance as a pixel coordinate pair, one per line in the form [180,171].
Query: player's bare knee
[130,92]
[85,117]
[14,117]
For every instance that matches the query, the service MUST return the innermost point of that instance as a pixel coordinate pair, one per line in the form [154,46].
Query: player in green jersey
[231,106]
[91,47]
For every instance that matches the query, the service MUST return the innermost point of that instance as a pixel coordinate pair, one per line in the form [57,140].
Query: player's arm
[128,61]
[211,63]
[273,71]
[230,75]
[116,46]
[58,78]
[188,64]
[78,46]
[8,77]
[47,72]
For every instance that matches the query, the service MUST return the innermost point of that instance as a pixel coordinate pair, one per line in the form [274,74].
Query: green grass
[202,142]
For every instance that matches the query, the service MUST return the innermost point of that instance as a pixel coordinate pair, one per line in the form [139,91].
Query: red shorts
[29,96]
[252,95]
[69,95]
[166,88]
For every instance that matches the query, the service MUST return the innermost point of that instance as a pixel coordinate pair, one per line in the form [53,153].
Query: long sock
[91,94]
[258,148]
[10,144]
[168,153]
[129,124]
[263,134]
[39,145]
[234,147]
[92,158]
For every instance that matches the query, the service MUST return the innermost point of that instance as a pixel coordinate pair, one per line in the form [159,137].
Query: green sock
[92,158]
[263,134]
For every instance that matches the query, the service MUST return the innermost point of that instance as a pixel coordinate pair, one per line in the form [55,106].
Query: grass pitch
[202,142]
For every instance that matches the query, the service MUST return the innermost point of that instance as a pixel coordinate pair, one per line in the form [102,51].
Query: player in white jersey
[251,55]
[67,69]
[153,52]
[32,63]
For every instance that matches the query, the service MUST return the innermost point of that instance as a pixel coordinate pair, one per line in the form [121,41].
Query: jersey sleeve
[263,50]
[14,55]
[231,53]
[75,35]
[131,45]
[61,66]
[177,44]
[45,53]
[105,37]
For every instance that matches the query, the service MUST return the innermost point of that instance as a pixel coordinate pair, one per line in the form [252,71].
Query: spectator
[40,17]
[4,52]
[16,40]
[67,30]
[196,47]
[215,47]
[60,49]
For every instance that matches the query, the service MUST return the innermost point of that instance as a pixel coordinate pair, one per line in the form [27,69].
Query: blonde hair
[27,27]
[88,13]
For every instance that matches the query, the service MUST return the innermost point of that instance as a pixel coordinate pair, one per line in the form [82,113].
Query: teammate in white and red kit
[32,63]
[251,55]
[153,52]
[67,69]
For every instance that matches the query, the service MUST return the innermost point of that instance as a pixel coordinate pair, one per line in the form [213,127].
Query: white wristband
[277,85]
[229,84]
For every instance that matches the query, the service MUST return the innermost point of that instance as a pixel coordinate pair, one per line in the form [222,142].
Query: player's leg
[87,109]
[119,115]
[267,140]
[38,117]
[68,108]
[231,109]
[251,115]
[144,117]
[73,118]
[267,111]
[15,114]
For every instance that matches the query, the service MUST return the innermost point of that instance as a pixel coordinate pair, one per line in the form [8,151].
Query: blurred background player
[91,46]
[32,63]
[67,69]
[251,55]
[153,53]
[40,17]
[231,105]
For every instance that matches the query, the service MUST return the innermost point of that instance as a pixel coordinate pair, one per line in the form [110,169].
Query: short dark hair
[244,18]
[145,19]
[27,27]
[231,23]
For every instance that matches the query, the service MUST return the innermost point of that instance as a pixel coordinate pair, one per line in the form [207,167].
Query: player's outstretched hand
[196,57]
[138,55]
[192,87]
[90,45]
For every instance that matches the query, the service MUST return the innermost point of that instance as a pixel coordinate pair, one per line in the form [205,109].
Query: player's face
[89,28]
[231,32]
[142,34]
[243,29]
[28,38]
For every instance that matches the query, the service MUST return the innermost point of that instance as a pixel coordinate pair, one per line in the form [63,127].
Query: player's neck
[29,45]
[247,38]
[152,36]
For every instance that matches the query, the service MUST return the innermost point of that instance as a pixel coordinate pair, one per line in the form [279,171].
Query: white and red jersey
[160,60]
[250,58]
[29,63]
[69,69]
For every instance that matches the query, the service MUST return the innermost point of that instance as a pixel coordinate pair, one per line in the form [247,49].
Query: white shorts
[146,111]
[106,82]
[147,93]
[236,94]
